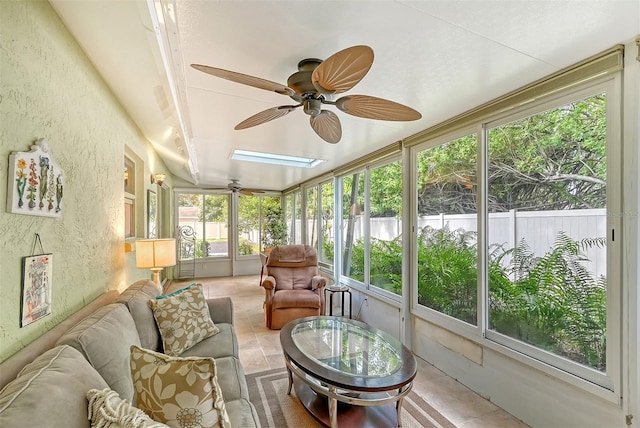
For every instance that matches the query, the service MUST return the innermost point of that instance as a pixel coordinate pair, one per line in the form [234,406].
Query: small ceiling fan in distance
[235,187]
[314,85]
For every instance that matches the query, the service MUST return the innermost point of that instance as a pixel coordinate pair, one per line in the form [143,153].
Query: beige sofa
[50,391]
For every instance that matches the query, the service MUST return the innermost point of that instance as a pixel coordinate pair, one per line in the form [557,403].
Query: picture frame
[152,214]
[37,274]
[35,183]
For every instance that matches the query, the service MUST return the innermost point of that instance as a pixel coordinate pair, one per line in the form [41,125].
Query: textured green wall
[49,89]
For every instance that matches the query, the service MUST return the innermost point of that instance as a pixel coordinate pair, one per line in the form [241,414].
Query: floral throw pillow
[182,392]
[183,319]
[108,410]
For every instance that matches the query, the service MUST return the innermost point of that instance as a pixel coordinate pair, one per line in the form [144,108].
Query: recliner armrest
[269,283]
[318,282]
[221,310]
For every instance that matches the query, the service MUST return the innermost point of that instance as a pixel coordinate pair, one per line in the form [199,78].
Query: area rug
[276,409]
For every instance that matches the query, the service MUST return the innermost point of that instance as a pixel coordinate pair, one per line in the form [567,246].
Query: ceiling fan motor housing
[300,81]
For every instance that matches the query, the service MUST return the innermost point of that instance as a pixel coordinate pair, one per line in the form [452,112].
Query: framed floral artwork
[36,287]
[36,183]
[152,214]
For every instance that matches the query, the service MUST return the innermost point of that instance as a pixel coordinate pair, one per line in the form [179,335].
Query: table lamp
[155,254]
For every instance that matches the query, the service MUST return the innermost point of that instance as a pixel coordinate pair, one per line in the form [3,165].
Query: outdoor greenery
[552,160]
[274,231]
[447,272]
[214,209]
[252,215]
[551,301]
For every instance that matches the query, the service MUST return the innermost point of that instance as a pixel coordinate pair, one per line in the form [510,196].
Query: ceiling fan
[314,85]
[235,187]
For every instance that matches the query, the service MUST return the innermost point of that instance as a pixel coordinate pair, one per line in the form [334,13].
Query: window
[446,244]
[385,227]
[297,218]
[260,223]
[208,215]
[326,228]
[312,216]
[352,231]
[248,225]
[372,227]
[547,230]
[289,215]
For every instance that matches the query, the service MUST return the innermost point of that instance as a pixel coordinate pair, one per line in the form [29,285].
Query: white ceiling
[438,57]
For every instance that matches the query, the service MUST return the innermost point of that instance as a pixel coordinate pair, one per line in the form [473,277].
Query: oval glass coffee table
[347,373]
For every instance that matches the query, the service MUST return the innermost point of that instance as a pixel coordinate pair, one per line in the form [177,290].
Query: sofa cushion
[178,391]
[242,413]
[108,410]
[295,299]
[50,391]
[136,298]
[183,319]
[223,344]
[231,378]
[104,338]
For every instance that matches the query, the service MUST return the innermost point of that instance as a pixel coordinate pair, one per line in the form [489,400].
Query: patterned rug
[276,409]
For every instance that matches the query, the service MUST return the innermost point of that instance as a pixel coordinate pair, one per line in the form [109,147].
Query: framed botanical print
[152,214]
[36,183]
[37,274]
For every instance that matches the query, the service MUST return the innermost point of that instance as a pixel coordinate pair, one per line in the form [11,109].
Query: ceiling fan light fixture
[312,106]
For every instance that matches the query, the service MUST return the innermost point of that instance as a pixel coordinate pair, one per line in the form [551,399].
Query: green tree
[274,232]
[215,208]
[552,160]
[386,190]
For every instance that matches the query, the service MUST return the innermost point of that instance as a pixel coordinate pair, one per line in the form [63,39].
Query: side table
[342,290]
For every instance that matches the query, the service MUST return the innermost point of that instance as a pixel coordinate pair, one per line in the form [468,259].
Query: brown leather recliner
[293,288]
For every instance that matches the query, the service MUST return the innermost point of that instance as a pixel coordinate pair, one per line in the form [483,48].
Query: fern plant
[554,301]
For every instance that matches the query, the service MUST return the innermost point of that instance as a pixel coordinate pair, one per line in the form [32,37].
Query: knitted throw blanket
[108,410]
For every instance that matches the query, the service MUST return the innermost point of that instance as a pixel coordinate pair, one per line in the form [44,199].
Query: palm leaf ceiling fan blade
[250,192]
[327,126]
[342,70]
[266,116]
[245,79]
[376,108]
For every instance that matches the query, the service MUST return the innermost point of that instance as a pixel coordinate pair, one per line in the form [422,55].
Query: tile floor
[260,350]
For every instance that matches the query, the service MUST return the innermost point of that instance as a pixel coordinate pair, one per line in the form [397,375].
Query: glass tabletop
[348,348]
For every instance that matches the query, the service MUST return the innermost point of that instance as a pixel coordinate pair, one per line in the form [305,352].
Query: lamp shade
[155,253]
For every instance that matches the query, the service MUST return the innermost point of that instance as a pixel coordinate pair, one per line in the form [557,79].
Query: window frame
[606,385]
[131,203]
[364,285]
[610,380]
[202,194]
[322,261]
[424,312]
[261,221]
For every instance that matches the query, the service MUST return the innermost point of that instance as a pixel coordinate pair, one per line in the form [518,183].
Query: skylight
[271,158]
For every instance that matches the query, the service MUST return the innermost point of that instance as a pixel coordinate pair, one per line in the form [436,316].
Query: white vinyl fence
[538,228]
